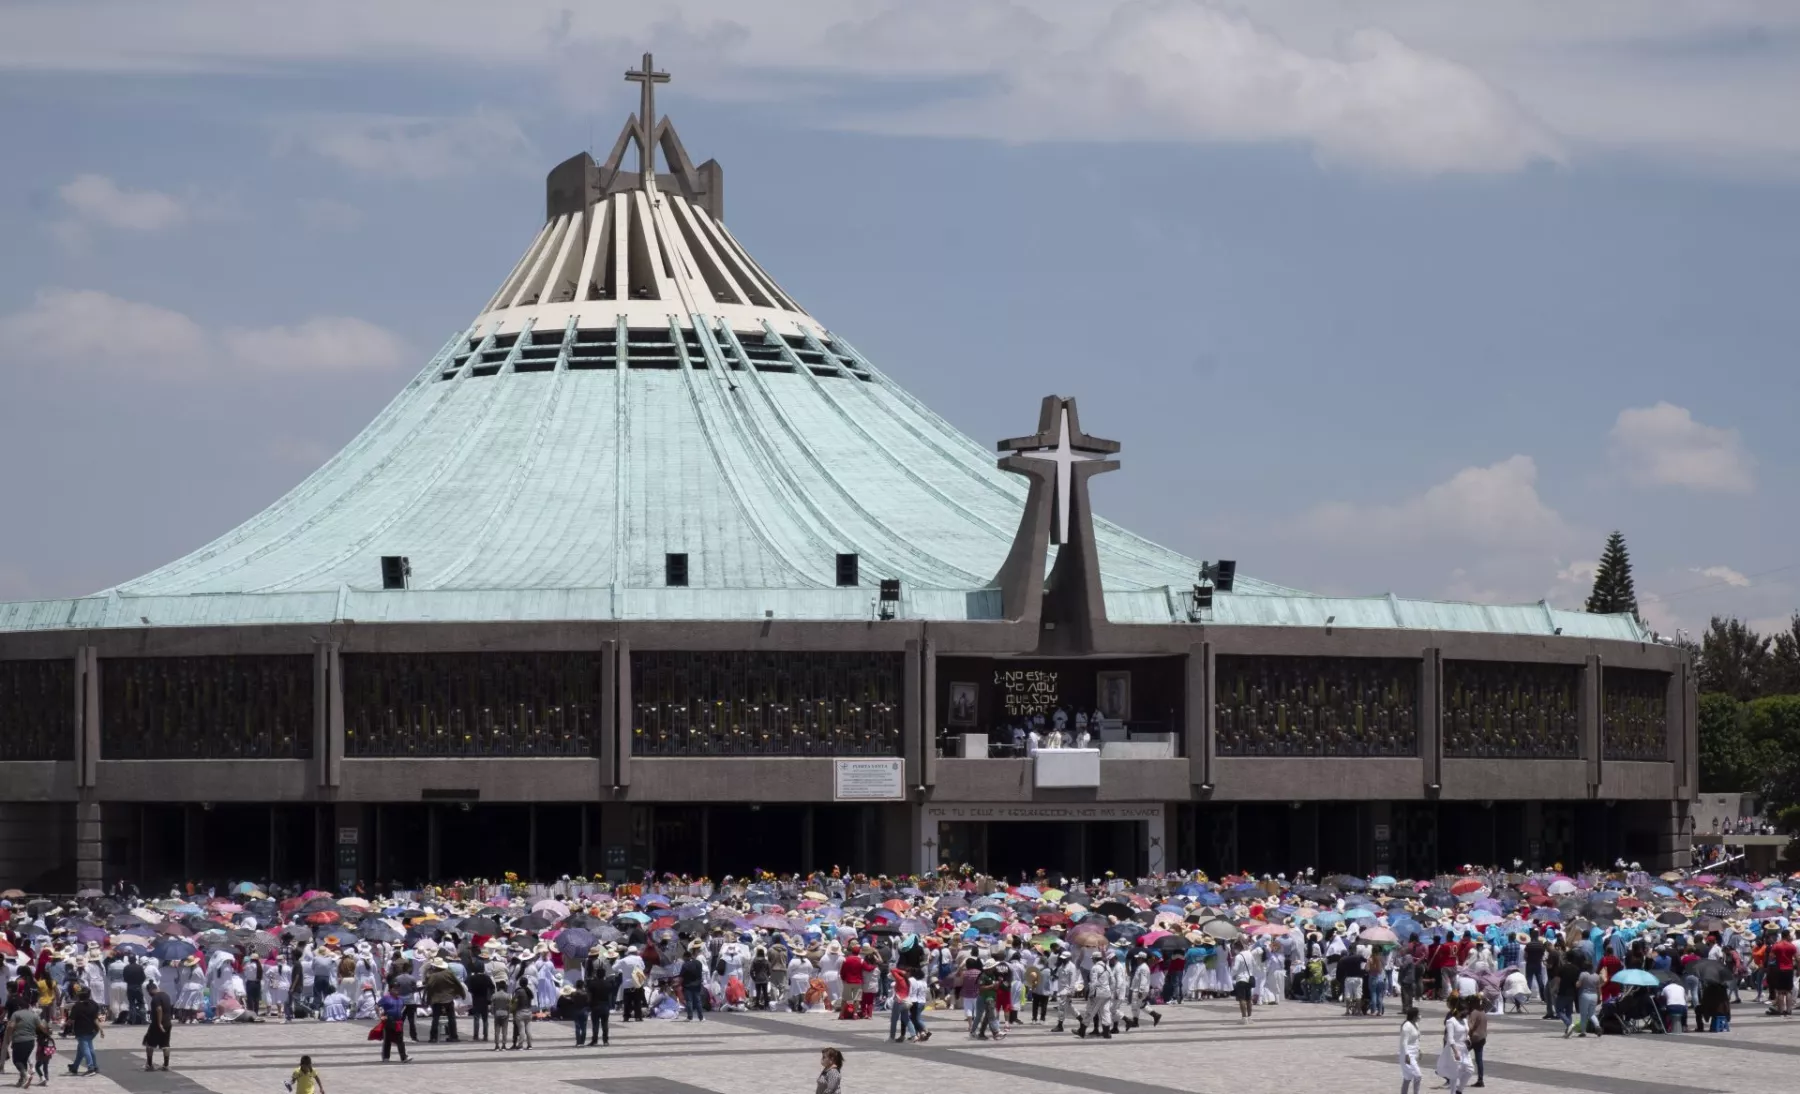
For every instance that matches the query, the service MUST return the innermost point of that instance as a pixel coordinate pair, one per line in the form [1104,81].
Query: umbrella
[1378,934]
[1672,918]
[1637,978]
[170,950]
[533,922]
[1221,929]
[480,924]
[555,908]
[574,940]
[1709,971]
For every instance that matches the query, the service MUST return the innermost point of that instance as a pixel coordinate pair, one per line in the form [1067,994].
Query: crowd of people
[1599,952]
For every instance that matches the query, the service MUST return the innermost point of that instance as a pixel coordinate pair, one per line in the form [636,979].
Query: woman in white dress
[190,989]
[1410,1075]
[1455,1064]
[278,975]
[828,972]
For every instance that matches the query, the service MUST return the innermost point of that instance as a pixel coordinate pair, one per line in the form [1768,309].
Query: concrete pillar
[626,716]
[328,714]
[87,717]
[806,841]
[928,714]
[1197,734]
[1156,841]
[609,717]
[1431,719]
[615,841]
[349,854]
[89,847]
[912,711]
[1592,742]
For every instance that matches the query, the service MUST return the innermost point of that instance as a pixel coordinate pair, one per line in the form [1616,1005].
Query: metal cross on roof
[648,77]
[1061,442]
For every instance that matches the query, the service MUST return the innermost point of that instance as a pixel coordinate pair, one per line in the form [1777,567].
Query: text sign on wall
[1078,811]
[1025,692]
[870,780]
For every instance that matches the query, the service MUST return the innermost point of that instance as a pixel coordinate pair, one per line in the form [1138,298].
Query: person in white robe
[799,979]
[1410,1075]
[190,989]
[1456,1063]
[545,984]
[337,1008]
[829,971]
[278,974]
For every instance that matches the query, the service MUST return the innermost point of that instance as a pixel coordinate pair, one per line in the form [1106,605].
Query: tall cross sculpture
[648,77]
[1061,443]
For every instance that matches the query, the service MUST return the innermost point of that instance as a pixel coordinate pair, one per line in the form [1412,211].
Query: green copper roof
[639,386]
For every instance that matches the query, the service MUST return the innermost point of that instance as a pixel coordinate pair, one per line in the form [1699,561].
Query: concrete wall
[1199,776]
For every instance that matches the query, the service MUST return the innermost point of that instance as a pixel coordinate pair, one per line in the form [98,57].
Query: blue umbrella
[170,950]
[1357,913]
[131,949]
[1635,978]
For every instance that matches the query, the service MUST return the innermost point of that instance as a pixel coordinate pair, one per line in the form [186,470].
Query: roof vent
[396,572]
[847,569]
[675,570]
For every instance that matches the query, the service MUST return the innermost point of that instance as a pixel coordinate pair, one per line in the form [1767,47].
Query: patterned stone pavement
[1199,1049]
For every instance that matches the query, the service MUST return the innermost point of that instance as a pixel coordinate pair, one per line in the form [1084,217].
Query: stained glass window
[1316,706]
[766,704]
[471,704]
[1495,709]
[37,710]
[206,708]
[1634,714]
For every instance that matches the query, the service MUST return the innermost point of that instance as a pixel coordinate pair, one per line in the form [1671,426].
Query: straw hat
[439,963]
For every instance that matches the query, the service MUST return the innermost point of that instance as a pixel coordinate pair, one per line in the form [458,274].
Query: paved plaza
[1198,1048]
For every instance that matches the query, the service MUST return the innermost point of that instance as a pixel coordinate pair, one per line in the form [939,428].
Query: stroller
[1636,1010]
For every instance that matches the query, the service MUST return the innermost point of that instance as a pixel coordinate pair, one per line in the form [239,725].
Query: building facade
[647,569]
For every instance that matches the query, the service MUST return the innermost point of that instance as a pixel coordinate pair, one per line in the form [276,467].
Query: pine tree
[1613,591]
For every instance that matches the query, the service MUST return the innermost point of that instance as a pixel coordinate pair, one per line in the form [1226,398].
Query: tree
[1772,726]
[1613,590]
[1730,762]
[1784,661]
[1734,660]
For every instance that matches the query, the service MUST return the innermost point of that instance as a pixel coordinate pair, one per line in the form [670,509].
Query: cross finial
[648,77]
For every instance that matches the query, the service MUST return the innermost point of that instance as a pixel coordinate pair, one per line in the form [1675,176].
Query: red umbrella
[320,919]
[1466,885]
[170,927]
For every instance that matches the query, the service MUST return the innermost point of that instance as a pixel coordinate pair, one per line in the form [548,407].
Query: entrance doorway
[1072,849]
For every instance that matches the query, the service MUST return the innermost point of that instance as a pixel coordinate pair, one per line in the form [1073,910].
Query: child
[500,1009]
[305,1080]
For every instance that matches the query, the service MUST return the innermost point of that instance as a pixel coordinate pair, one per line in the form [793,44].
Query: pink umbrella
[1377,934]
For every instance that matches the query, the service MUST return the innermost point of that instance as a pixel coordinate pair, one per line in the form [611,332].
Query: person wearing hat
[190,985]
[633,980]
[799,980]
[1138,987]
[442,990]
[1101,1009]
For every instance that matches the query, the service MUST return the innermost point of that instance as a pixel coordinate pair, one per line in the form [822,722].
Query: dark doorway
[558,846]
[743,838]
[235,842]
[1265,838]
[483,841]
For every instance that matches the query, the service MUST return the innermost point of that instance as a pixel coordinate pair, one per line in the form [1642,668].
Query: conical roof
[637,387]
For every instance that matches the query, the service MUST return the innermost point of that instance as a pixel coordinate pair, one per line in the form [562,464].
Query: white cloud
[1407,83]
[96,201]
[1723,574]
[1663,445]
[1579,574]
[87,329]
[322,344]
[1185,70]
[83,328]
[1494,506]
[409,148]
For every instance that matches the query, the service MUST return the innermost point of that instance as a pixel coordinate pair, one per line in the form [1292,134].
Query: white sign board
[870,780]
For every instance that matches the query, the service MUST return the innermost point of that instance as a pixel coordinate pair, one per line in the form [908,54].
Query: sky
[1377,295]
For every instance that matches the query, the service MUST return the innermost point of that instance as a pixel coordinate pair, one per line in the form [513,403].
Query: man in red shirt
[1780,974]
[851,972]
